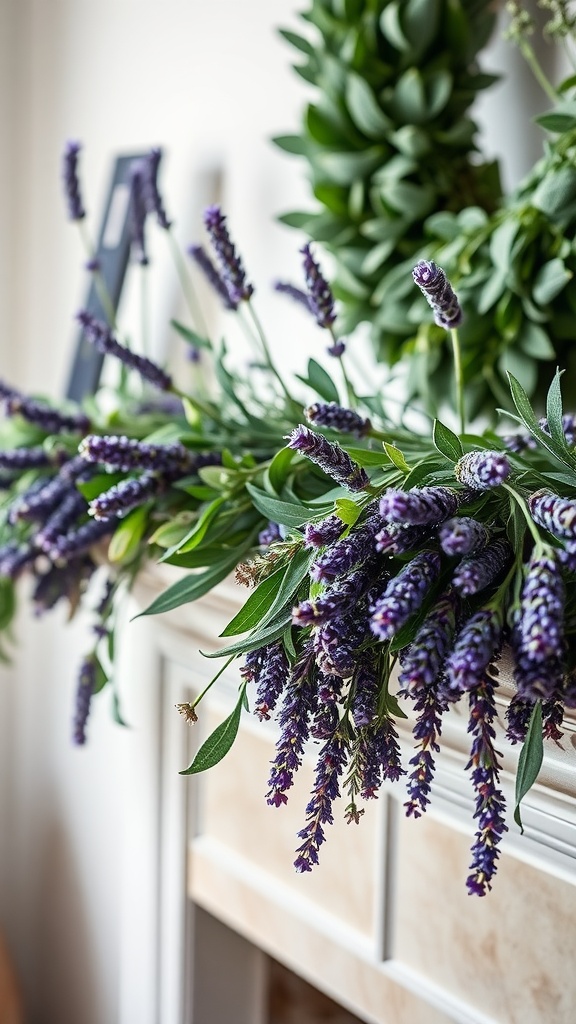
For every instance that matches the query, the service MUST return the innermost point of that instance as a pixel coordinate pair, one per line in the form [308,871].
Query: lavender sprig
[538,636]
[25,458]
[203,261]
[397,540]
[330,765]
[378,756]
[320,298]
[139,210]
[294,719]
[336,599]
[483,470]
[418,506]
[437,290]
[124,496]
[233,272]
[52,421]
[268,668]
[476,647]
[490,803]
[126,454]
[100,335]
[328,530]
[72,194]
[65,514]
[152,196]
[430,706]
[80,539]
[479,571]
[293,292]
[422,663]
[335,417]
[331,458]
[555,514]
[345,553]
[84,693]
[462,536]
[404,594]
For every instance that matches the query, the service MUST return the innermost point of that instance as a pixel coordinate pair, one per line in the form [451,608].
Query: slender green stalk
[459,379]
[220,671]
[536,68]
[526,513]
[187,287]
[267,354]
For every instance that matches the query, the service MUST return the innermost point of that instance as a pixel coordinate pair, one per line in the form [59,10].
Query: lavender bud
[422,663]
[333,416]
[84,692]
[66,513]
[76,210]
[100,335]
[14,558]
[519,442]
[320,297]
[397,540]
[344,554]
[436,288]
[490,803]
[568,426]
[230,263]
[49,420]
[538,636]
[404,594]
[126,454]
[330,765]
[462,536]
[317,535]
[202,259]
[268,668]
[25,458]
[378,756]
[567,555]
[518,715]
[427,730]
[483,470]
[81,539]
[61,582]
[337,349]
[295,293]
[126,495]
[341,596]
[557,515]
[152,195]
[476,647]
[295,713]
[367,684]
[337,642]
[418,506]
[269,535]
[477,572]
[331,458]
[138,210]
[37,503]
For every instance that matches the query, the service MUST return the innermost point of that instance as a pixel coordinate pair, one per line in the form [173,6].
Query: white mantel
[384,925]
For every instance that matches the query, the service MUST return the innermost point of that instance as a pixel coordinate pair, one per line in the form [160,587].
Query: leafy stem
[459,379]
[526,513]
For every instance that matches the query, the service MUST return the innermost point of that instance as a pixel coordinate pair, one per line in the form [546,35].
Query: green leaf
[447,442]
[528,417]
[127,536]
[320,381]
[345,168]
[555,192]
[555,121]
[294,144]
[219,742]
[279,469]
[347,510]
[101,677]
[266,635]
[534,341]
[549,281]
[530,760]
[198,531]
[554,409]
[285,513]
[259,602]
[98,484]
[396,457]
[195,585]
[298,41]
[190,336]
[364,108]
[298,568]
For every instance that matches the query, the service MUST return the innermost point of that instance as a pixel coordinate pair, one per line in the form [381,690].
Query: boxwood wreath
[397,176]
[388,564]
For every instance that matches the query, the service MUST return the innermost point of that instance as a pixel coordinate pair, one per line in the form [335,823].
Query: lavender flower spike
[320,296]
[285,288]
[25,458]
[404,594]
[330,765]
[333,416]
[475,573]
[430,706]
[76,210]
[52,421]
[433,283]
[127,453]
[490,804]
[202,259]
[138,210]
[330,457]
[152,195]
[422,663]
[317,535]
[476,647]
[230,263]
[483,470]
[80,539]
[557,515]
[86,684]
[538,638]
[462,536]
[126,495]
[102,337]
[418,506]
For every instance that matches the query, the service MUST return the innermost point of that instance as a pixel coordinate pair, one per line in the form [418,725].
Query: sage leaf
[219,742]
[447,442]
[530,760]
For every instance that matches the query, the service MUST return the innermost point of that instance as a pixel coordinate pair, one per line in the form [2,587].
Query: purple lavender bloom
[404,595]
[538,636]
[138,210]
[230,263]
[25,458]
[50,420]
[422,663]
[329,687]
[567,555]
[336,599]
[317,535]
[518,715]
[336,643]
[367,684]
[462,536]
[519,442]
[38,502]
[126,454]
[331,458]
[59,582]
[320,297]
[333,416]
[325,721]
[126,495]
[84,693]
[295,293]
[378,756]
[269,535]
[552,718]
[294,718]
[80,539]
[202,259]
[66,513]
[14,558]
[152,195]
[557,515]
[76,210]
[476,647]
[483,470]
[568,426]
[397,540]
[490,803]
[430,706]
[100,335]
[436,288]
[268,668]
[479,571]
[345,553]
[418,506]
[337,349]
[330,765]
